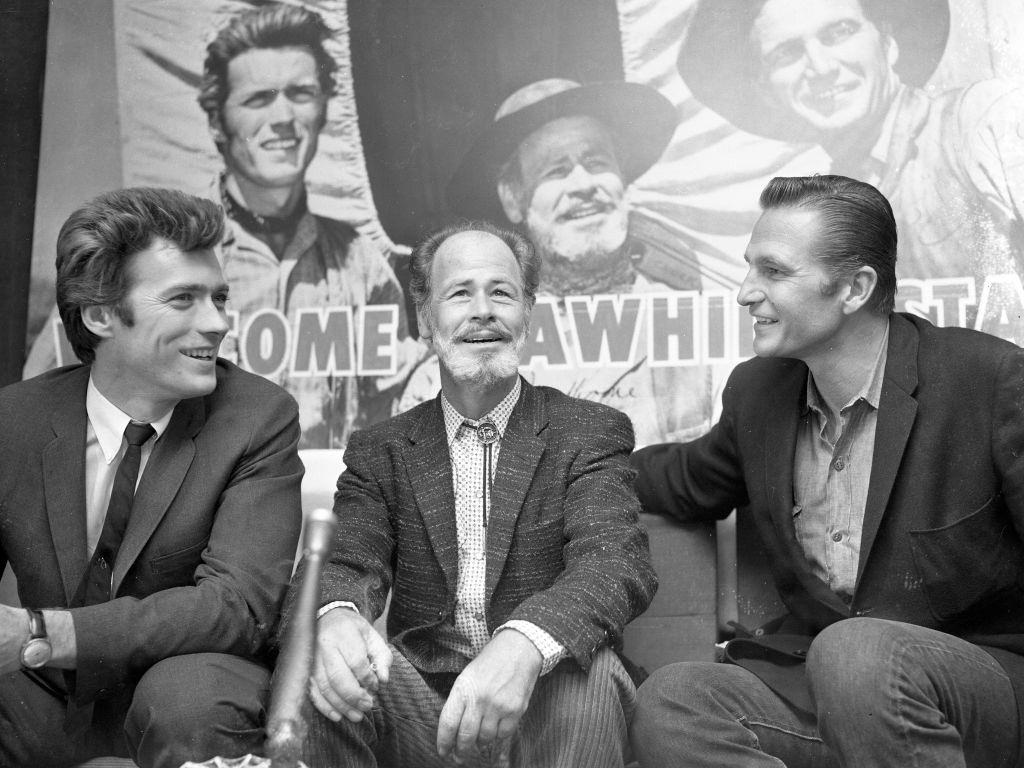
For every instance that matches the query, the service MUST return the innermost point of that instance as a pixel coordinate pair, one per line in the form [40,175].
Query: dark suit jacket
[565,549]
[944,519]
[208,550]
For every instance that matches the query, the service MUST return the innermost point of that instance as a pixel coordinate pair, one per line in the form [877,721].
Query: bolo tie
[487,434]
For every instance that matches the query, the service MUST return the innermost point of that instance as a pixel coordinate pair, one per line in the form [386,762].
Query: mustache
[495,330]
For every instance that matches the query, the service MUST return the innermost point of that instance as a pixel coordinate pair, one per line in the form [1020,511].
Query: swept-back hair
[858,228]
[97,241]
[274,25]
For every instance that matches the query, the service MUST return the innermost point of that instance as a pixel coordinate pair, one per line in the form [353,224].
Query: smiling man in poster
[619,320]
[850,75]
[315,305]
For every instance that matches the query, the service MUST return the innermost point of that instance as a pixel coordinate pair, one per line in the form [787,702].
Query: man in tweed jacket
[502,519]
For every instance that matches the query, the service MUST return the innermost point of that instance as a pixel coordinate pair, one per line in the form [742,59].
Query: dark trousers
[184,708]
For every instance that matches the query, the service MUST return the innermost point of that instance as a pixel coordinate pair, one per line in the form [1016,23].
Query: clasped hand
[488,700]
[352,662]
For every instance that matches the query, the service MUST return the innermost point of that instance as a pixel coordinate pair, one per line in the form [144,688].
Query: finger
[503,751]
[468,733]
[335,681]
[380,657]
[448,723]
[364,673]
[488,731]
[321,704]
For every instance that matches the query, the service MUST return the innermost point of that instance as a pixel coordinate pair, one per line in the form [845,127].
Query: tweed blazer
[941,545]
[209,547]
[565,549]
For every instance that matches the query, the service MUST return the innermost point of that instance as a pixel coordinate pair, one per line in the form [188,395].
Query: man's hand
[13,634]
[489,698]
[352,662]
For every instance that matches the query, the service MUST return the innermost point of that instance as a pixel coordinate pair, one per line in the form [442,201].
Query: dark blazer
[208,550]
[565,549]
[943,524]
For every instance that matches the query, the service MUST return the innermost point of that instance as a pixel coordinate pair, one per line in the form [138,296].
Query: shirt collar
[880,151]
[500,414]
[109,422]
[870,392]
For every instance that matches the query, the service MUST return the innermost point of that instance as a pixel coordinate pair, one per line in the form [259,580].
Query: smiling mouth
[827,96]
[200,354]
[585,212]
[280,144]
[763,321]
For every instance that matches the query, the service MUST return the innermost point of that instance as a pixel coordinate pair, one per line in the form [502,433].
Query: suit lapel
[897,410]
[521,449]
[429,467]
[781,423]
[164,473]
[64,484]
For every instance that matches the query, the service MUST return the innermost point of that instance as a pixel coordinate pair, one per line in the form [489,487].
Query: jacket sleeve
[230,603]
[698,480]
[1008,434]
[358,567]
[608,578]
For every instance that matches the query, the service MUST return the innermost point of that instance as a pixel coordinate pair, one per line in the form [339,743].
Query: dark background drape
[22,63]
[428,77]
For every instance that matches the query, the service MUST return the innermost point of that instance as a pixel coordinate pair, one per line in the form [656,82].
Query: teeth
[199,355]
[280,144]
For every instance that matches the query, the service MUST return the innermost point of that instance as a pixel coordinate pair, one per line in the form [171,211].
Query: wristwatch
[37,650]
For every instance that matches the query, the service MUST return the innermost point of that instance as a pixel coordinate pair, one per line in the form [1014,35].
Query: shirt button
[837,536]
[478,616]
[839,465]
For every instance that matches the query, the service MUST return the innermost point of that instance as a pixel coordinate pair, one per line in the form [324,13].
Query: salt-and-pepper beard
[483,370]
[576,262]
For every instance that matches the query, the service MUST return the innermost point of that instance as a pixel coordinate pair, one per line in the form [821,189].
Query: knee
[198,705]
[848,660]
[685,689]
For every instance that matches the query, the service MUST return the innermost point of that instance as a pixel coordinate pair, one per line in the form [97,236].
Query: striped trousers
[575,719]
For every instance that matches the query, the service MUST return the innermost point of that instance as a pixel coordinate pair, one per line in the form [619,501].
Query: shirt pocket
[969,562]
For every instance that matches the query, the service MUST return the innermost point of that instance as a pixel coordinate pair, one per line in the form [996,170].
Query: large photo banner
[628,140]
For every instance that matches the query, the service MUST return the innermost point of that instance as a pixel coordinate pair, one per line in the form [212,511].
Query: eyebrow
[198,288]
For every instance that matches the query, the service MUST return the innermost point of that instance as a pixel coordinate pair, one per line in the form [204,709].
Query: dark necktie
[95,586]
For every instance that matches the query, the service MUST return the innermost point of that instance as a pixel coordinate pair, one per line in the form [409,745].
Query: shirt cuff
[336,604]
[551,650]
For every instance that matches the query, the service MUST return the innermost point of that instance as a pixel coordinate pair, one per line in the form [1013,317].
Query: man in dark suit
[503,521]
[880,458]
[158,604]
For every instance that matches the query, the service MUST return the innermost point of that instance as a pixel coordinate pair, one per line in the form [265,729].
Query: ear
[892,51]
[217,128]
[510,202]
[860,286]
[99,320]
[423,323]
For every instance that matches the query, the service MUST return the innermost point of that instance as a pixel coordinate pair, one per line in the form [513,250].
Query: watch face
[35,653]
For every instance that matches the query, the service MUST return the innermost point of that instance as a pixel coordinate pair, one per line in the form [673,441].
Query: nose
[281,110]
[750,292]
[819,60]
[212,318]
[580,180]
[482,307]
